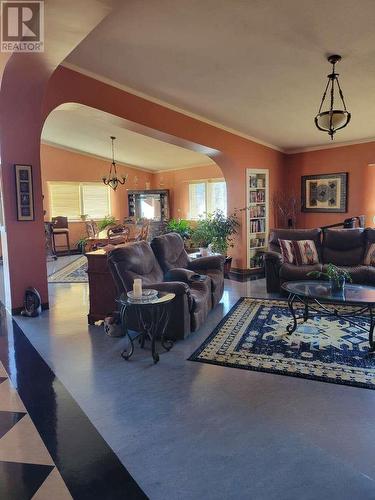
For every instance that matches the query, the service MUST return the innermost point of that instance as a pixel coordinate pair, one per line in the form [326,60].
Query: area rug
[252,336]
[75,272]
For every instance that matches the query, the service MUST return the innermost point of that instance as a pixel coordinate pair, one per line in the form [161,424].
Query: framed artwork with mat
[24,192]
[325,193]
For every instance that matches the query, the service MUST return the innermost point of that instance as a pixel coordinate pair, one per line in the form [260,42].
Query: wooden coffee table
[318,296]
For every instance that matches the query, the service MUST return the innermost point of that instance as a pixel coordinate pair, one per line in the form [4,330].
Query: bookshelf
[257,215]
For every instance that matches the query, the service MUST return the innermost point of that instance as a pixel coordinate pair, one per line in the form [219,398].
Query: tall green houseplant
[217,230]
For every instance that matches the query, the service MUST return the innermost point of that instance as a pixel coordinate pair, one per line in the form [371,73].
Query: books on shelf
[257,211]
[258,226]
[258,196]
[256,181]
[257,242]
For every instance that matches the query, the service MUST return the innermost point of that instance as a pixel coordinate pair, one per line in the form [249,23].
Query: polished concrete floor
[187,430]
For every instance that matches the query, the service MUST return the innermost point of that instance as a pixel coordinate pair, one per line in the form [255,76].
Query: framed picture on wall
[325,193]
[24,192]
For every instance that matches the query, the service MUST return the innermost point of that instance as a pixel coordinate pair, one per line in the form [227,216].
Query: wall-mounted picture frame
[325,193]
[24,192]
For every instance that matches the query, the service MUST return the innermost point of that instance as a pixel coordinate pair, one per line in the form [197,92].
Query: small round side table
[153,317]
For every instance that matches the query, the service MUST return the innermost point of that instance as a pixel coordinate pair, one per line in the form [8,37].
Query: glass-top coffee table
[318,296]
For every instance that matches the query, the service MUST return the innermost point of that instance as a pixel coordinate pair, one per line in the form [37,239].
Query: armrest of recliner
[176,287]
[210,262]
[272,264]
[179,274]
[273,257]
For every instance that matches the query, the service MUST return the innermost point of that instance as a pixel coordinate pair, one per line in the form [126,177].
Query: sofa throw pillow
[305,253]
[287,253]
[370,255]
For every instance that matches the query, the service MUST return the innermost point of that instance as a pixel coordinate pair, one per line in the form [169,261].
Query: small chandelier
[112,180]
[333,119]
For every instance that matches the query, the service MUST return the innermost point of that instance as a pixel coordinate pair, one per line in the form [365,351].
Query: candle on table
[137,288]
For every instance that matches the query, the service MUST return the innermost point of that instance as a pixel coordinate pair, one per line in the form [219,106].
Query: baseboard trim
[246,274]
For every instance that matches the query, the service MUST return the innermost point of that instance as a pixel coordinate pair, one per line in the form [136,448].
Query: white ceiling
[88,130]
[257,66]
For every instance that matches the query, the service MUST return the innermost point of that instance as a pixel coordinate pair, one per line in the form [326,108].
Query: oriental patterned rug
[74,272]
[252,336]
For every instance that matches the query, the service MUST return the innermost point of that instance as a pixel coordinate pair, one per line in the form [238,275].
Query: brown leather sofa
[192,302]
[344,248]
[172,256]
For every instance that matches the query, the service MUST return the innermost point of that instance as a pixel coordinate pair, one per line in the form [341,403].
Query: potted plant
[81,244]
[202,235]
[108,220]
[336,276]
[217,230]
[180,226]
[83,217]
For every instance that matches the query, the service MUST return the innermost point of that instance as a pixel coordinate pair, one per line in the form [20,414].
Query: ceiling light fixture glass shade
[112,180]
[332,119]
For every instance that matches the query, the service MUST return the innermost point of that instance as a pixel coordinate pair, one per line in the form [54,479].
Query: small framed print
[24,191]
[325,193]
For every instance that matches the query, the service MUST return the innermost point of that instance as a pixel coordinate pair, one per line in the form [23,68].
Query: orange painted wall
[177,181]
[231,152]
[61,165]
[353,159]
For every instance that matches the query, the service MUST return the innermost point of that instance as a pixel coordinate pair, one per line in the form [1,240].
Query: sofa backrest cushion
[344,247]
[136,260]
[295,235]
[170,251]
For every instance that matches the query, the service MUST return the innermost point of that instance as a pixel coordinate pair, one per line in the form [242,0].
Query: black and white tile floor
[49,449]
[27,470]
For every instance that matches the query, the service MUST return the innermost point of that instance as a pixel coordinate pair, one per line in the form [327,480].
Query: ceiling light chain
[333,119]
[112,180]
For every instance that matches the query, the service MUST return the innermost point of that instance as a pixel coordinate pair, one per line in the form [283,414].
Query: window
[72,199]
[206,197]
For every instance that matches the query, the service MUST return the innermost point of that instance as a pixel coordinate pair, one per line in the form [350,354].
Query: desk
[102,289]
[100,240]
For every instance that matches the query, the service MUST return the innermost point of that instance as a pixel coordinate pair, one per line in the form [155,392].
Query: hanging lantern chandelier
[333,118]
[112,180]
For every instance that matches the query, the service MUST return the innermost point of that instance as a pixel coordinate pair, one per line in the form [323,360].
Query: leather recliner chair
[172,256]
[192,302]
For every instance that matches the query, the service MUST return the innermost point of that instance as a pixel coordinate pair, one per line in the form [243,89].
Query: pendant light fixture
[332,118]
[112,180]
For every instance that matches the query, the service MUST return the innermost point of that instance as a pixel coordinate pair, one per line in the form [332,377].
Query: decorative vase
[338,284]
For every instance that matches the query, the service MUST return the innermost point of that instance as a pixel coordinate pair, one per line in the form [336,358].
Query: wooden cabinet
[102,289]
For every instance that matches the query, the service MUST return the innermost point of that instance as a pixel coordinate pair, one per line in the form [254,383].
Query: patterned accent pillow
[370,255]
[305,253]
[286,247]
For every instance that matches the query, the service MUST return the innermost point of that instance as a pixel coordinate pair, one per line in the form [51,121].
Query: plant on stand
[336,276]
[217,230]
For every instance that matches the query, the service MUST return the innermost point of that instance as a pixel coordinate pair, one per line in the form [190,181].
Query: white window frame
[207,182]
[81,201]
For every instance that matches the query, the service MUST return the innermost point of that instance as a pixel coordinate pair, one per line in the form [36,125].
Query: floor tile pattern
[27,470]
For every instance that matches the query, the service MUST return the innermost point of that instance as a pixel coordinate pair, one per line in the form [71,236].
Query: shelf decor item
[24,192]
[335,117]
[257,215]
[325,193]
